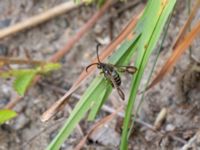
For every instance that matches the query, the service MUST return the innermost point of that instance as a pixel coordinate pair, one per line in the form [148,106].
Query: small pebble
[170,127]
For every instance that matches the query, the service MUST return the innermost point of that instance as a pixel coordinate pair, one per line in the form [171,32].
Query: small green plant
[24,77]
[6,115]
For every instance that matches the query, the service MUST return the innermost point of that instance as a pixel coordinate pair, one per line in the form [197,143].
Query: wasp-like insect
[110,72]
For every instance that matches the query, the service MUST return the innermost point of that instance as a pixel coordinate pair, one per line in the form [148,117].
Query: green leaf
[6,115]
[43,69]
[95,95]
[101,99]
[24,77]
[77,114]
[151,26]
[23,80]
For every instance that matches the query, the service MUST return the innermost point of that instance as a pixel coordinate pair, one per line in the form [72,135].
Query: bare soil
[26,131]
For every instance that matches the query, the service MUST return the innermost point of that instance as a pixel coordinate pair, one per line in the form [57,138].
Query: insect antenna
[97,50]
[99,62]
[90,66]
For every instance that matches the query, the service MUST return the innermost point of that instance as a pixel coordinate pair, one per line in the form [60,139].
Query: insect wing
[128,69]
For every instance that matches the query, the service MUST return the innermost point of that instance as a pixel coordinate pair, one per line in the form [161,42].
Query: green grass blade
[87,101]
[155,61]
[96,89]
[124,60]
[101,100]
[150,25]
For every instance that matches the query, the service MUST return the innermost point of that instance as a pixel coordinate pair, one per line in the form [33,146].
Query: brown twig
[115,13]
[73,40]
[71,43]
[187,23]
[12,103]
[128,5]
[180,49]
[38,19]
[189,144]
[84,75]
[62,91]
[120,114]
[8,60]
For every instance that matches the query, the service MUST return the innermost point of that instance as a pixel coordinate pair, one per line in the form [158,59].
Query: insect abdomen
[117,78]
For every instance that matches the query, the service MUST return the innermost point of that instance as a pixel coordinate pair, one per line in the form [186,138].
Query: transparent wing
[128,69]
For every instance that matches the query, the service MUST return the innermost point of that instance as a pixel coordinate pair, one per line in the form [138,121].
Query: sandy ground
[182,120]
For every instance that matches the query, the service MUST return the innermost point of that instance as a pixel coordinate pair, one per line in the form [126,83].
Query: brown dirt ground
[43,41]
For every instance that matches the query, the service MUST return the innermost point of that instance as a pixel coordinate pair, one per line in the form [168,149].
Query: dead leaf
[180,49]
[187,24]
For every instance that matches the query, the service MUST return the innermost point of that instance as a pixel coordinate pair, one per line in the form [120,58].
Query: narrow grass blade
[155,62]
[101,100]
[180,49]
[77,114]
[96,89]
[150,25]
[125,57]
[83,76]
